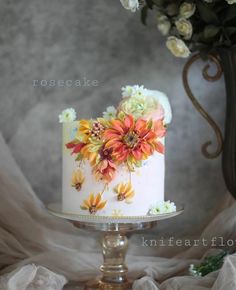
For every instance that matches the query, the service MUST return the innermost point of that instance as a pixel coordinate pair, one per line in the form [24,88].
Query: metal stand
[114,243]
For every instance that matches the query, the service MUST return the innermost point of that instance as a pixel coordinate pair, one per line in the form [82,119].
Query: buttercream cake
[114,165]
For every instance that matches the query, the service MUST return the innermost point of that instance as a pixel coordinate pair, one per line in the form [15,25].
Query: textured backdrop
[99,40]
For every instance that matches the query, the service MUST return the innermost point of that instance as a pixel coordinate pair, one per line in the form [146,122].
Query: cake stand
[114,242]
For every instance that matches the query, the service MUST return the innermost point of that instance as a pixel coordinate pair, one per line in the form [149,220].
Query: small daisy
[110,113]
[68,115]
[162,208]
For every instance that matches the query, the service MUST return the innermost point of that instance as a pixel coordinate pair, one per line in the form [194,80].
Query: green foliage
[210,264]
[213,24]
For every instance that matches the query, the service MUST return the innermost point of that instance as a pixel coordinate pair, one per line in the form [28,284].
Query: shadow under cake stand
[114,242]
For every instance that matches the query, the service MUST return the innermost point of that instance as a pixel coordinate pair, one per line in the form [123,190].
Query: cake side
[114,165]
[147,183]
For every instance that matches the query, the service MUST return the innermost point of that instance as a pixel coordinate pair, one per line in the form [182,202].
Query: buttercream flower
[67,115]
[163,25]
[163,108]
[90,151]
[147,105]
[133,141]
[124,191]
[110,113]
[184,28]
[75,145]
[231,2]
[105,168]
[91,129]
[177,47]
[132,91]
[77,179]
[187,10]
[131,5]
[162,208]
[93,203]
[137,105]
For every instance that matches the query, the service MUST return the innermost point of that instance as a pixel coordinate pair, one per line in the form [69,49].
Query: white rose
[186,10]
[163,25]
[184,28]
[177,47]
[131,5]
[231,1]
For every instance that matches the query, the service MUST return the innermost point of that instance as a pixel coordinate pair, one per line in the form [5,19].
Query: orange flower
[93,203]
[106,168]
[124,191]
[77,179]
[132,140]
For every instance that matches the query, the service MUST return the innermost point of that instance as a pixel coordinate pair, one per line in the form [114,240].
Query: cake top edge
[136,101]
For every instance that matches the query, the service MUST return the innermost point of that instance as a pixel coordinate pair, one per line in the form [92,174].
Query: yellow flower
[91,151]
[94,203]
[124,191]
[77,179]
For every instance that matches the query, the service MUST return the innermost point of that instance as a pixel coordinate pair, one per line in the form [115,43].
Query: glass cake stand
[114,242]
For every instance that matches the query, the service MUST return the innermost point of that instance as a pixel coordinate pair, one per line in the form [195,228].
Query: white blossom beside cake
[114,165]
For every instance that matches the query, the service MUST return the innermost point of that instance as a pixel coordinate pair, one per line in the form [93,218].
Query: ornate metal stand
[114,243]
[225,62]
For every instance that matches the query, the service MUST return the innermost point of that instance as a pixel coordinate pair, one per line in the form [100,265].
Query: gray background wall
[99,40]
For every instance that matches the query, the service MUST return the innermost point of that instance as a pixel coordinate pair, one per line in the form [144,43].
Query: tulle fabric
[37,248]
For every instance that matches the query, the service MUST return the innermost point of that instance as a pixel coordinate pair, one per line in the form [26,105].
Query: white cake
[114,165]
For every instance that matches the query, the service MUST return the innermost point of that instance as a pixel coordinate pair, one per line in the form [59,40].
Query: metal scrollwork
[197,105]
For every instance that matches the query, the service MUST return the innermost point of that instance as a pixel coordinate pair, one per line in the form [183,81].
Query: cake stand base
[114,243]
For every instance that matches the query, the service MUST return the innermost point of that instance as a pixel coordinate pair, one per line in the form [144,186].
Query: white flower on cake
[131,5]
[67,115]
[177,47]
[110,113]
[162,208]
[133,91]
[143,103]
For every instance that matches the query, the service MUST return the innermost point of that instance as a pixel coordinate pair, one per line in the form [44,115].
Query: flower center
[97,130]
[121,196]
[105,154]
[93,209]
[131,139]
[78,186]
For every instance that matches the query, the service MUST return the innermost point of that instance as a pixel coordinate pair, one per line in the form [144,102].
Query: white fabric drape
[35,245]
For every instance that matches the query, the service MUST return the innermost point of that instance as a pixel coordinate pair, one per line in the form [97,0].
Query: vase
[228,62]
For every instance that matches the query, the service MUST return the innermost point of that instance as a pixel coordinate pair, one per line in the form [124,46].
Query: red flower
[105,169]
[75,146]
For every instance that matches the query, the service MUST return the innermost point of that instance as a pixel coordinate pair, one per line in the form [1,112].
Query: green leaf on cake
[79,157]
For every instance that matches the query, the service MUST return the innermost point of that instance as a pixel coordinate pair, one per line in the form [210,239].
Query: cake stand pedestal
[114,242]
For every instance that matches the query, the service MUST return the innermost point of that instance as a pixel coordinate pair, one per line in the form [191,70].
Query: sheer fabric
[37,248]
